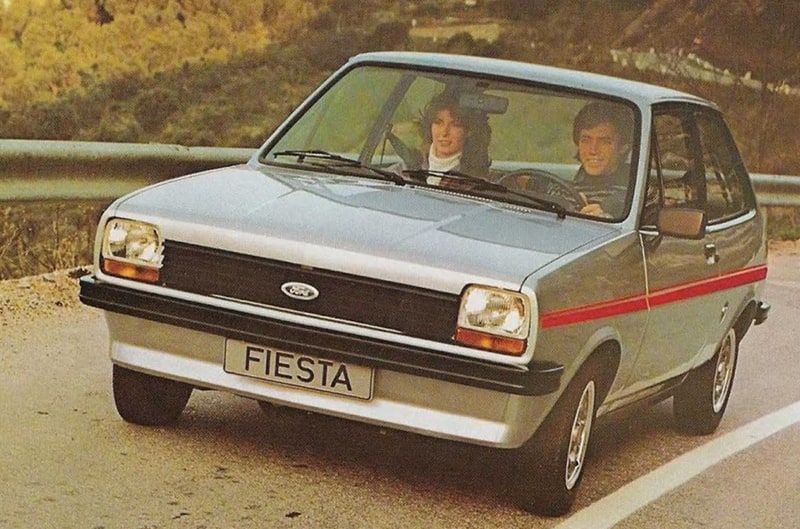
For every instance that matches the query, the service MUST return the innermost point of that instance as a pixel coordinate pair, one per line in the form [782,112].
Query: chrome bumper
[537,378]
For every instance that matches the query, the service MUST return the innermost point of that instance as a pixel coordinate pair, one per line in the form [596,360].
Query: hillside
[225,72]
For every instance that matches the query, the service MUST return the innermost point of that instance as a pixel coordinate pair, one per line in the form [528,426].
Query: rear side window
[725,177]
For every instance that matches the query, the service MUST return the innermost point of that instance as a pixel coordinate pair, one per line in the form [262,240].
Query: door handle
[710,252]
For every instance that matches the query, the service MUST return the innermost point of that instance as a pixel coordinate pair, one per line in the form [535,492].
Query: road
[68,461]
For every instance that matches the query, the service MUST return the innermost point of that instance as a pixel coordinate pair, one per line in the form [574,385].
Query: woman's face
[448,134]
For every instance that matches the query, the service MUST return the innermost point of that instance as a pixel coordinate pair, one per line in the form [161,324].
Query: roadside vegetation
[36,238]
[226,72]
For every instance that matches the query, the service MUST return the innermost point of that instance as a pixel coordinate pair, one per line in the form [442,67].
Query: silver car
[472,249]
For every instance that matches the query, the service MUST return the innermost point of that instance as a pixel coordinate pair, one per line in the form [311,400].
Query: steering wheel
[544,183]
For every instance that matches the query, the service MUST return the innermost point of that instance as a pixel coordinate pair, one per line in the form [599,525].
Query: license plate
[297,370]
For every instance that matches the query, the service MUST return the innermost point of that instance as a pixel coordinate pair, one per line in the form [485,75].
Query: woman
[458,137]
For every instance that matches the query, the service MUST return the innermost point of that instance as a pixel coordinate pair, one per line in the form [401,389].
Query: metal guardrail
[67,170]
[75,170]
[776,190]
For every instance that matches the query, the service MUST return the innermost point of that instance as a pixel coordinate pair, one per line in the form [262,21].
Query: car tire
[549,467]
[700,402]
[148,400]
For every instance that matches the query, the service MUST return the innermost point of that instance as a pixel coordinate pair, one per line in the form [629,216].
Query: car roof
[641,93]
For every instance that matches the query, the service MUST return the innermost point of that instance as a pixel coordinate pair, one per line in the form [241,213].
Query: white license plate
[298,370]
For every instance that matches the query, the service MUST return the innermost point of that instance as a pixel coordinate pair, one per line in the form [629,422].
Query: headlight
[131,249]
[494,319]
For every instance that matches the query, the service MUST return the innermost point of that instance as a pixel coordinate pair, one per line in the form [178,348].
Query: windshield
[508,141]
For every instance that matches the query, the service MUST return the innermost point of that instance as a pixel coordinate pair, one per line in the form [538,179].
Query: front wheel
[148,400]
[549,467]
[700,402]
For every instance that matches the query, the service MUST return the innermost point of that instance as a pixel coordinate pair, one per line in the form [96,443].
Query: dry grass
[40,237]
[783,224]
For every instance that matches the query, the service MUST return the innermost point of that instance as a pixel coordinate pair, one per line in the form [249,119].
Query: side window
[695,164]
[672,180]
[681,185]
[724,173]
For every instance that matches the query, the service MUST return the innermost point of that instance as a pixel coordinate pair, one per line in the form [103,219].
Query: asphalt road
[68,461]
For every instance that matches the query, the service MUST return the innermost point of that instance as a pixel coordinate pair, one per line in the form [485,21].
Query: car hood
[414,235]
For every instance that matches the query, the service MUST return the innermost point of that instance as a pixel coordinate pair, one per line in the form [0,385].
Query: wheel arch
[608,356]
[605,352]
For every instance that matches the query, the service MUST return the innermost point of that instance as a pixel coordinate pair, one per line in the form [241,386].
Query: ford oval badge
[301,291]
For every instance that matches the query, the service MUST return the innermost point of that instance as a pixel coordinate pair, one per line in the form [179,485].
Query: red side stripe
[708,286]
[640,302]
[603,309]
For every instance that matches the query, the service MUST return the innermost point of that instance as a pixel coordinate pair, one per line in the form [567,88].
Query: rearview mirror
[686,223]
[483,102]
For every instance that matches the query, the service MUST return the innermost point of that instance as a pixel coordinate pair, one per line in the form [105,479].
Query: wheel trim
[579,436]
[723,375]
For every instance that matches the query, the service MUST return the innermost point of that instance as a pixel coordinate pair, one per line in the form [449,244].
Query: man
[602,133]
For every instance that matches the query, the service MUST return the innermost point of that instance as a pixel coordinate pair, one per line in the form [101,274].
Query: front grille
[413,311]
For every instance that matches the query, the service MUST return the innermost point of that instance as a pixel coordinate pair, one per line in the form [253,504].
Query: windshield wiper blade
[302,154]
[476,183]
[544,203]
[339,160]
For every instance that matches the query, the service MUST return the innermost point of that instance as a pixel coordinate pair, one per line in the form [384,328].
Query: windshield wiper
[475,183]
[302,154]
[337,160]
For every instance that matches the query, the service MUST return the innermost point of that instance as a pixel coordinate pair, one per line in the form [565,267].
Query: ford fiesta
[477,250]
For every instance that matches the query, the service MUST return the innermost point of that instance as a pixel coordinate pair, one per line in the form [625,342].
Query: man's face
[600,149]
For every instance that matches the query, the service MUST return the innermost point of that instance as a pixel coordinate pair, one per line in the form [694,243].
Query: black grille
[416,312]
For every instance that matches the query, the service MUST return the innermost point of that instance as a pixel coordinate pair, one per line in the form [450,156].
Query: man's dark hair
[599,112]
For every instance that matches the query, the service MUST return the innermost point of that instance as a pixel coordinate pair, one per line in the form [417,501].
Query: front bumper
[537,378]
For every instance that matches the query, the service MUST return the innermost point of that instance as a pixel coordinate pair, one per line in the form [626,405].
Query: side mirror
[686,223]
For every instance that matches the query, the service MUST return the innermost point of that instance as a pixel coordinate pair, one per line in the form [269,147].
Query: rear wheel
[700,401]
[148,400]
[549,467]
